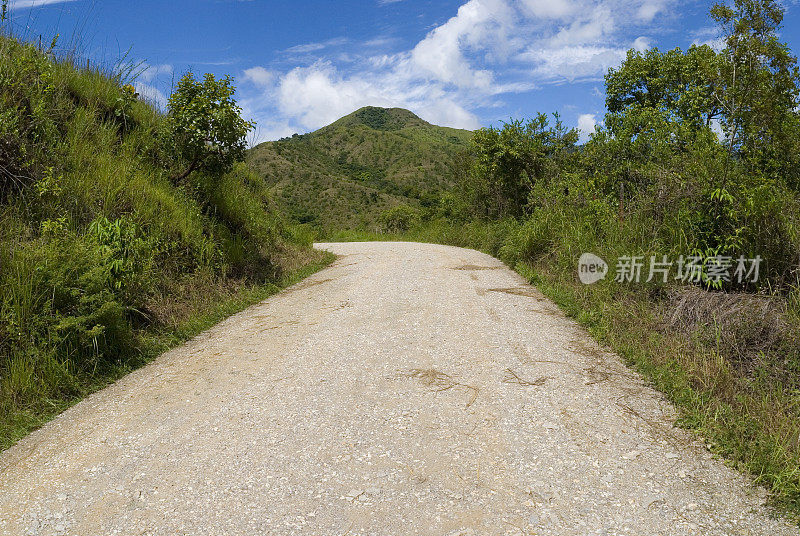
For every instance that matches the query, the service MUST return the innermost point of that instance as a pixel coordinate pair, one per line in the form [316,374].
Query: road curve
[407,389]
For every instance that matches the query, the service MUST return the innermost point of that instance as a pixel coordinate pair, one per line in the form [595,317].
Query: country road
[407,389]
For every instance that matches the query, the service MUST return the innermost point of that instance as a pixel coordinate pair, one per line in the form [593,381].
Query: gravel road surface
[407,389]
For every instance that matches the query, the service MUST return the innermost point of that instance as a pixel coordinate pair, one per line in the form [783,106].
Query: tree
[507,162]
[398,219]
[206,126]
[680,85]
[749,89]
[758,85]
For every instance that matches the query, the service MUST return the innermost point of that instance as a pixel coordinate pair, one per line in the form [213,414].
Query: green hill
[106,258]
[345,174]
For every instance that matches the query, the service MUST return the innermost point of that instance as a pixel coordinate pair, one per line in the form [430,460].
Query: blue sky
[300,65]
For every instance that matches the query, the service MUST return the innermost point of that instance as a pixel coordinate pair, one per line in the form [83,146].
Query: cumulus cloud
[478,25]
[586,125]
[486,49]
[259,76]
[549,9]
[316,95]
[319,94]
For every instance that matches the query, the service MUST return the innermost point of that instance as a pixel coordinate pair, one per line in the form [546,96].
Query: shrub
[398,219]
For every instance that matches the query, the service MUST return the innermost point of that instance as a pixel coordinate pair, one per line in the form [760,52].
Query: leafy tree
[682,86]
[750,88]
[206,125]
[758,84]
[507,162]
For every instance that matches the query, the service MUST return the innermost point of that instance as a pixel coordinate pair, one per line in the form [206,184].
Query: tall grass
[100,253]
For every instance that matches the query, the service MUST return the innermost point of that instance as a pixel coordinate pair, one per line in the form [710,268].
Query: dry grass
[741,326]
[439,381]
[512,377]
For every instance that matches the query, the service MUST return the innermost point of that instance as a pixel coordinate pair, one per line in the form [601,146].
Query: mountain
[345,174]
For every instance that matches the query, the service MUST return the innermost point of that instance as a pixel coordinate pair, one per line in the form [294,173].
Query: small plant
[49,185]
[123,104]
[121,247]
[54,228]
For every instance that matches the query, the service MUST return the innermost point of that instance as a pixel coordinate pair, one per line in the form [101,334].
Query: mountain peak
[378,118]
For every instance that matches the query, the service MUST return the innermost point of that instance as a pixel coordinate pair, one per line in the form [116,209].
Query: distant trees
[205,125]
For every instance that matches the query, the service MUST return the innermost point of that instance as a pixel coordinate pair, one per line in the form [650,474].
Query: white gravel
[407,389]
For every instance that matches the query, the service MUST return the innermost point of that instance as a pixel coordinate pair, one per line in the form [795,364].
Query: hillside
[106,258]
[345,174]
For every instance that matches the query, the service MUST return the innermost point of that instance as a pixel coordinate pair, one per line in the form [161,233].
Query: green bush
[398,219]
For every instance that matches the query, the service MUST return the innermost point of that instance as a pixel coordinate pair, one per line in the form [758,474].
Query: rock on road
[406,389]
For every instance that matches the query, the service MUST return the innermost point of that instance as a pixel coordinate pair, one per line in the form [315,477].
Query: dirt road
[407,389]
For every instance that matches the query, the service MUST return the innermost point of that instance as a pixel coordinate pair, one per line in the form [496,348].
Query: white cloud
[487,49]
[649,9]
[640,44]
[318,95]
[316,47]
[586,125]
[259,76]
[148,72]
[549,9]
[447,112]
[591,28]
[574,62]
[478,25]
[26,4]
[151,94]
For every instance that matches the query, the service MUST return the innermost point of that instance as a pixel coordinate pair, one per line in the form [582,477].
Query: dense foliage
[696,157]
[99,250]
[205,125]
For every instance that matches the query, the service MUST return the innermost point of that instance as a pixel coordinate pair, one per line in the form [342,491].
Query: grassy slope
[345,174]
[104,261]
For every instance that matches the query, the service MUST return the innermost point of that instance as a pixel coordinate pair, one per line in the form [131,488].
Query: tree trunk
[181,176]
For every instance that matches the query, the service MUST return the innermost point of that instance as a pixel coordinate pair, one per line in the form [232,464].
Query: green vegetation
[125,230]
[206,125]
[122,229]
[697,159]
[348,173]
